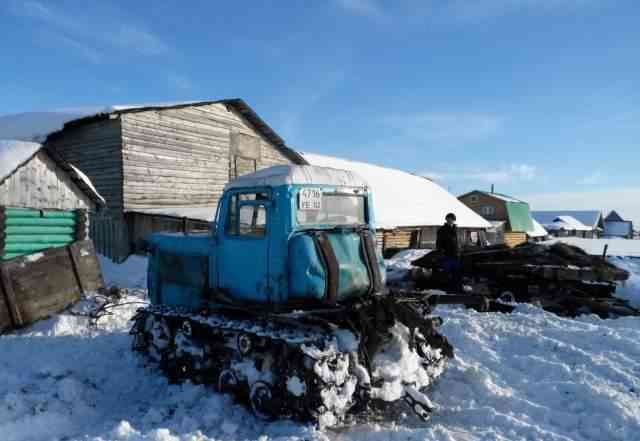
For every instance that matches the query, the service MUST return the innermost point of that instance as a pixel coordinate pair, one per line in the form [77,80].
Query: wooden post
[10,296]
[74,265]
[604,252]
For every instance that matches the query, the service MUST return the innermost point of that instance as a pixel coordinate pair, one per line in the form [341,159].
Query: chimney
[491,188]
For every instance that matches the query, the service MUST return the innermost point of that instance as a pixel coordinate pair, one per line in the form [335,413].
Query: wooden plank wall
[477,200]
[513,239]
[95,148]
[181,157]
[37,286]
[41,184]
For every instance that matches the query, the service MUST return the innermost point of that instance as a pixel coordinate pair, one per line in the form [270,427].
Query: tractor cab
[284,237]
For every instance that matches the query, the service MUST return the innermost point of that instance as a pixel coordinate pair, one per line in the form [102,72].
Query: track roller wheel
[263,401]
[244,343]
[228,382]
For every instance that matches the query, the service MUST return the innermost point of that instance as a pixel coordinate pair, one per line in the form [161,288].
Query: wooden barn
[510,217]
[409,209]
[44,201]
[163,167]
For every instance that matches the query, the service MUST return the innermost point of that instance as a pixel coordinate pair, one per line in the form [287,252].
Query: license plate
[310,199]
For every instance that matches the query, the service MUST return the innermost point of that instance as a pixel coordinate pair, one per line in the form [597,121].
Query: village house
[163,167]
[510,217]
[409,209]
[44,201]
[567,223]
[616,226]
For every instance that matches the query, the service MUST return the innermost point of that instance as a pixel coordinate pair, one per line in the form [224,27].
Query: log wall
[94,148]
[183,157]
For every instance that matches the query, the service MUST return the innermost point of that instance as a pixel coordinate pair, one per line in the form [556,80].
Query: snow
[617,246]
[299,174]
[567,223]
[401,199]
[630,289]
[15,153]
[84,178]
[529,375]
[538,230]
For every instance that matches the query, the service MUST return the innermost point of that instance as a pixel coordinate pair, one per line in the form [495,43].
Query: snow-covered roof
[538,230]
[591,218]
[401,199]
[501,196]
[14,154]
[299,174]
[567,223]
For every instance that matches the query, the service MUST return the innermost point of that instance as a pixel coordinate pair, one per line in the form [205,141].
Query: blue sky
[539,97]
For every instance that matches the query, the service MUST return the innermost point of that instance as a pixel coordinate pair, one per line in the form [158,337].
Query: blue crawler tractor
[283,304]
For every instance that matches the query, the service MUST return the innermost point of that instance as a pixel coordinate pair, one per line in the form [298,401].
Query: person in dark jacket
[447,242]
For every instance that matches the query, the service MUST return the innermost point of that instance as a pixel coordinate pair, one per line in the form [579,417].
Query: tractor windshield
[330,209]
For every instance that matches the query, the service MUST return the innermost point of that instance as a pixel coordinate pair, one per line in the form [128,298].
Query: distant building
[565,223]
[510,217]
[616,226]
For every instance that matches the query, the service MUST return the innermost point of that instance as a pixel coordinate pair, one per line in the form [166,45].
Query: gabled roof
[501,196]
[590,218]
[401,199]
[613,217]
[238,104]
[15,154]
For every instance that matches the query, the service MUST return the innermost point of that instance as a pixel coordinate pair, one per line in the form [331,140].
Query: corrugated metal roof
[519,217]
[590,218]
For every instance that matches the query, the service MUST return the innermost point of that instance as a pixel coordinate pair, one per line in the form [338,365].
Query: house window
[488,210]
[474,198]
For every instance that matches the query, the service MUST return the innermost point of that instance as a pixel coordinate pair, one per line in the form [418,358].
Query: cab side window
[247,215]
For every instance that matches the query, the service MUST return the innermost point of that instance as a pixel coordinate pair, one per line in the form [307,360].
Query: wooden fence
[36,286]
[110,236]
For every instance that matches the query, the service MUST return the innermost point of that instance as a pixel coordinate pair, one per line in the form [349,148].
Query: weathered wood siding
[95,148]
[513,239]
[477,200]
[183,157]
[41,184]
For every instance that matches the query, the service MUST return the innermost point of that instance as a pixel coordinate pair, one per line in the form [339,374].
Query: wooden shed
[44,201]
[512,214]
[163,167]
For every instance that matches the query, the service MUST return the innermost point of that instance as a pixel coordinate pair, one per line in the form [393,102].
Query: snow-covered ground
[529,375]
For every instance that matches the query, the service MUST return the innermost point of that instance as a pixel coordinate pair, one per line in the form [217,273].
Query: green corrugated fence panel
[29,247]
[39,221]
[519,217]
[21,212]
[39,238]
[39,230]
[25,212]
